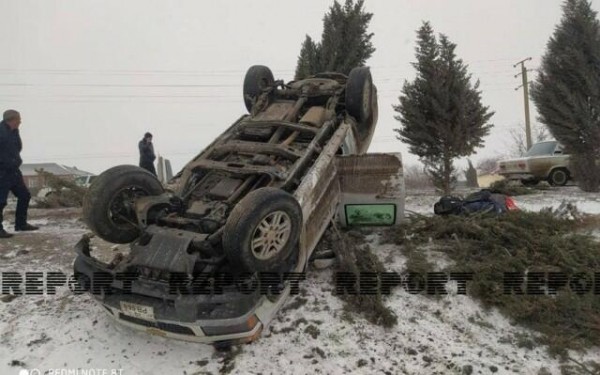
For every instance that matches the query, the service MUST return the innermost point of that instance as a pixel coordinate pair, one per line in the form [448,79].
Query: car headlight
[246,326]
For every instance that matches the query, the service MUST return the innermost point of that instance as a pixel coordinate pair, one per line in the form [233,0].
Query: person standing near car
[147,156]
[11,179]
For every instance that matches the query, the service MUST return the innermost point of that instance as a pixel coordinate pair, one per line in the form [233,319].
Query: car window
[539,149]
[559,149]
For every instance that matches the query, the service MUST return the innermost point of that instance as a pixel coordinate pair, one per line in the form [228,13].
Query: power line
[118,72]
[117,100]
[125,96]
[113,85]
[184,72]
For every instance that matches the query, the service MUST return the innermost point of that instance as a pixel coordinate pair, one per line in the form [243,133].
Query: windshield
[539,149]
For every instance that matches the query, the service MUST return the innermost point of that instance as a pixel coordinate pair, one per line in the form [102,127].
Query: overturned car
[256,201]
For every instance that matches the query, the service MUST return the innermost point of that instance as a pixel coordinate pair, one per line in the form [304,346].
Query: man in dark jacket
[147,156]
[11,178]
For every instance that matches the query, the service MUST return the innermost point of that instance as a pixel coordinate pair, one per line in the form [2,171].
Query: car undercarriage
[255,201]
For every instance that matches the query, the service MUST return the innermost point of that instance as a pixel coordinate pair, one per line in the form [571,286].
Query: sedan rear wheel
[558,177]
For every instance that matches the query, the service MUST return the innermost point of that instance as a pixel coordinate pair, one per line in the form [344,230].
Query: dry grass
[65,193]
[415,178]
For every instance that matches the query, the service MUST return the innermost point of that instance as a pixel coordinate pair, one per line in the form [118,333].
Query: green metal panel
[370,214]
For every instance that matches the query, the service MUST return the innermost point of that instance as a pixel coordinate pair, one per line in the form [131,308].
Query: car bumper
[228,318]
[193,332]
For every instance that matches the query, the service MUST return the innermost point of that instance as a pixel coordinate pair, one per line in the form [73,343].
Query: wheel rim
[121,210]
[559,178]
[271,235]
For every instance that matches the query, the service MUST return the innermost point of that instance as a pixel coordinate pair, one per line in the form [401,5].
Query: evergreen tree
[440,112]
[308,61]
[345,42]
[567,90]
[471,176]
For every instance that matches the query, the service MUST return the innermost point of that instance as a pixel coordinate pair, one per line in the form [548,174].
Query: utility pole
[525,86]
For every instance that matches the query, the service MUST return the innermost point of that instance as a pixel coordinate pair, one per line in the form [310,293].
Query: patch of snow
[433,335]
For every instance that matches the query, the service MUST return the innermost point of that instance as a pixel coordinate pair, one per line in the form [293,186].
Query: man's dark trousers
[13,181]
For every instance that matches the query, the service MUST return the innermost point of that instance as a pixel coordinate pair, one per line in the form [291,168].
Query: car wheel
[558,177]
[108,206]
[262,231]
[359,95]
[258,78]
[530,182]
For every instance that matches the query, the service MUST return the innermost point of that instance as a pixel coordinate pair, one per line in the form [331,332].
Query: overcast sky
[91,76]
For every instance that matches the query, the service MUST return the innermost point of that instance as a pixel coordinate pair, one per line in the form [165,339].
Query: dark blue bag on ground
[481,201]
[484,201]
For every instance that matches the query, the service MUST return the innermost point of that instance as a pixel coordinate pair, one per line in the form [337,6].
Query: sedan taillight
[510,204]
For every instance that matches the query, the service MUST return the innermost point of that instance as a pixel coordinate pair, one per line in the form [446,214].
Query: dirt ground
[312,334]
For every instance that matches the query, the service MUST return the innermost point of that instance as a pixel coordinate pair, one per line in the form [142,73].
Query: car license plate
[137,311]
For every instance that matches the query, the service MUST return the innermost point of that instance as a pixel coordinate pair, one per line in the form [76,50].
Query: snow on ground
[586,202]
[451,334]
